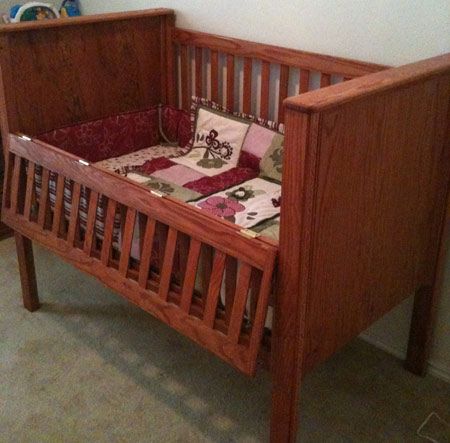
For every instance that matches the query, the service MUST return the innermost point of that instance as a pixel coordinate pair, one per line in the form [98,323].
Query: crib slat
[15,185]
[230,285]
[230,82]
[190,275]
[199,72]
[265,82]
[284,85]
[167,265]
[255,286]
[74,213]
[261,310]
[9,167]
[43,198]
[185,77]
[183,252]
[161,235]
[127,241]
[325,80]
[247,99]
[240,300]
[304,81]
[206,267]
[59,203]
[146,253]
[30,190]
[90,224]
[215,284]
[108,231]
[215,76]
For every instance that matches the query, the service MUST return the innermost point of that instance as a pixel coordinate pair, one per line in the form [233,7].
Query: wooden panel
[85,76]
[276,54]
[380,204]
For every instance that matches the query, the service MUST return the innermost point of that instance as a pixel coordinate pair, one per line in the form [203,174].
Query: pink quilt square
[178,174]
[258,140]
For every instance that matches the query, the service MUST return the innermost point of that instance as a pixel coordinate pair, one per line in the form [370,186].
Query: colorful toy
[70,8]
[33,11]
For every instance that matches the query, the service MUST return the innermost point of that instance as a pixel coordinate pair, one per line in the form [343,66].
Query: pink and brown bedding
[225,163]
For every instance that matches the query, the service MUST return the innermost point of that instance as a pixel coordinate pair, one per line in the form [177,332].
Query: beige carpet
[89,367]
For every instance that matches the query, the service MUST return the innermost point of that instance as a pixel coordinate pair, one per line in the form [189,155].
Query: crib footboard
[226,317]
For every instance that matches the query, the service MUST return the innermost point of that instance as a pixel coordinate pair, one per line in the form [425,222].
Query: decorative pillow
[272,162]
[217,141]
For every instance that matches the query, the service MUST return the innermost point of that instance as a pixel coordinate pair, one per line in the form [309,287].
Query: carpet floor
[89,367]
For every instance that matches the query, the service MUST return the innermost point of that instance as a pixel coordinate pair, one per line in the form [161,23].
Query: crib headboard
[253,78]
[64,71]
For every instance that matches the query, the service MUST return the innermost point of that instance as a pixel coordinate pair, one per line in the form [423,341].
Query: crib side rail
[251,77]
[91,217]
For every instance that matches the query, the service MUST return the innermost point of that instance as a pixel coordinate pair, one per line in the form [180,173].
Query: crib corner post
[295,247]
[286,380]
[27,272]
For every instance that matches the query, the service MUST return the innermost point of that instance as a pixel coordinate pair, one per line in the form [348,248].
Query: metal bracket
[249,233]
[157,193]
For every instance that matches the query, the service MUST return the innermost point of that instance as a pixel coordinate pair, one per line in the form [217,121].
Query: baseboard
[434,368]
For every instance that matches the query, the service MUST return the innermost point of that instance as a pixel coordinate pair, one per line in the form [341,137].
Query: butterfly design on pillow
[216,152]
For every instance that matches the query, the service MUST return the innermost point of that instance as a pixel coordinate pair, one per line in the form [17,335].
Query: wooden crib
[365,183]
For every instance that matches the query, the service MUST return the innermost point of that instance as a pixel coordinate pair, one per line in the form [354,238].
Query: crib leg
[27,272]
[285,398]
[421,331]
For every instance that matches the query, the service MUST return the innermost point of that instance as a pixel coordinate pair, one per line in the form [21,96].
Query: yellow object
[63,13]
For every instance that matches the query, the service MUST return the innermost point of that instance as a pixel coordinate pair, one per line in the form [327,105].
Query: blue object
[72,8]
[13,11]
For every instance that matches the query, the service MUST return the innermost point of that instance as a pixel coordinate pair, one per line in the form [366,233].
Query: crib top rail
[253,78]
[276,54]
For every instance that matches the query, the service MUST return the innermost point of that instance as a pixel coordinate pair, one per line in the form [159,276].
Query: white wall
[383,31]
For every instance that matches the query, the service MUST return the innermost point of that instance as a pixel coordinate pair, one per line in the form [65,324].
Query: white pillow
[217,143]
